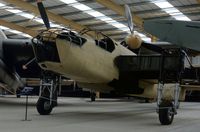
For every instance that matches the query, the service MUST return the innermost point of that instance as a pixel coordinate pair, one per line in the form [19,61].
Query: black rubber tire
[93,97]
[18,96]
[43,106]
[166,113]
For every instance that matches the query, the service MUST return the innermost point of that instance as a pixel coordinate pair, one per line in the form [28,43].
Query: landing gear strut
[167,108]
[48,94]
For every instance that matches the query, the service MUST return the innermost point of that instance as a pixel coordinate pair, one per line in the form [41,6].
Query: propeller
[128,16]
[133,40]
[43,13]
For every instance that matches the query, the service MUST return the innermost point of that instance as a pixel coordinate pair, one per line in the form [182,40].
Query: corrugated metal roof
[142,8]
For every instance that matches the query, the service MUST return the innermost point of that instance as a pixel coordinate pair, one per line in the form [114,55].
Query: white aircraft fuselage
[87,63]
[91,63]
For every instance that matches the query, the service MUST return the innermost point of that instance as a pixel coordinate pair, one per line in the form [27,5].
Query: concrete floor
[104,115]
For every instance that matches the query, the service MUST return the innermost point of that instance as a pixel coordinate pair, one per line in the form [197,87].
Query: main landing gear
[167,108]
[48,94]
[92,96]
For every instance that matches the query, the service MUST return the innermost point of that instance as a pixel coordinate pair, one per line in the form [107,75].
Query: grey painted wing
[182,33]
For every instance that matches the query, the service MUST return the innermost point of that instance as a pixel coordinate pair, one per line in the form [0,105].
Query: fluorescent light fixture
[171,10]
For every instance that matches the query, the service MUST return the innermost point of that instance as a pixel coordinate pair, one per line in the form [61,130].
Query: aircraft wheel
[93,97]
[18,96]
[43,106]
[166,113]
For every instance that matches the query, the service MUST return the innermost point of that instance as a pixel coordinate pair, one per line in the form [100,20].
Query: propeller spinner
[133,40]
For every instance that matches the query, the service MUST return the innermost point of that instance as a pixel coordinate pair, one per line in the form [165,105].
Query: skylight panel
[27,15]
[14,10]
[14,31]
[171,10]
[25,35]
[183,17]
[3,28]
[105,18]
[69,1]
[81,7]
[97,15]
[163,4]
[1,5]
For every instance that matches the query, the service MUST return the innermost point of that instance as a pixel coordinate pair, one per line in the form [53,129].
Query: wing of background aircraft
[182,33]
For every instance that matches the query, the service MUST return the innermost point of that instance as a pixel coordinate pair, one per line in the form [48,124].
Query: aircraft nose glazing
[45,51]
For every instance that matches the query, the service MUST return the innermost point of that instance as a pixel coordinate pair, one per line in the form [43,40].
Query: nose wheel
[167,108]
[92,96]
[44,106]
[48,94]
[166,113]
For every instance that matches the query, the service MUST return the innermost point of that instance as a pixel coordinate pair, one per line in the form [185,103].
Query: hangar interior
[21,20]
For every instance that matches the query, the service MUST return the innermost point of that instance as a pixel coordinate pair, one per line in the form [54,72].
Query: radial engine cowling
[133,41]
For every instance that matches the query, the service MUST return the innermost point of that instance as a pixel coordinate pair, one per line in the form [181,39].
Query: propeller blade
[43,13]
[129,18]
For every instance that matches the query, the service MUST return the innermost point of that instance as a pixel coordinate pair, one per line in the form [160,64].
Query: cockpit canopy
[72,37]
[106,43]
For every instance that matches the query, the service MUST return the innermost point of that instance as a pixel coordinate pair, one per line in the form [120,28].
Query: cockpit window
[106,44]
[72,37]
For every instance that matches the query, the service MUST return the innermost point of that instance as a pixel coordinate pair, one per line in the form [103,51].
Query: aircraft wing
[182,33]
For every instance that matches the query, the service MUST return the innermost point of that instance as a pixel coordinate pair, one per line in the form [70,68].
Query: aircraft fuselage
[89,62]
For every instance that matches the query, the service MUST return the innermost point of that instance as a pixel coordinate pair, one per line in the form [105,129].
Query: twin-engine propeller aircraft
[99,65]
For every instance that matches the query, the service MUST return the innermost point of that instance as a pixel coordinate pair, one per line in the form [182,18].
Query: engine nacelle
[133,41]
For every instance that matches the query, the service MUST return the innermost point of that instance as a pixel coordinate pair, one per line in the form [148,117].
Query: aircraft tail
[2,35]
